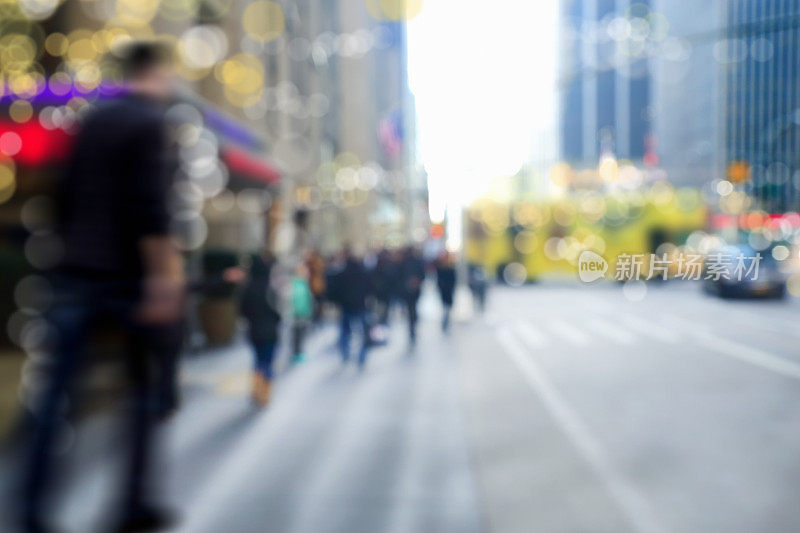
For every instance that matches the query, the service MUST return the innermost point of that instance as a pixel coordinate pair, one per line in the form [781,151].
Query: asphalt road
[590,412]
[564,408]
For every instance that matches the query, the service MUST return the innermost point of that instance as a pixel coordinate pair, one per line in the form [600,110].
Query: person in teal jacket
[302,311]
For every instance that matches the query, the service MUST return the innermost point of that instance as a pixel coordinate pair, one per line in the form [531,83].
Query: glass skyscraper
[762,112]
[604,84]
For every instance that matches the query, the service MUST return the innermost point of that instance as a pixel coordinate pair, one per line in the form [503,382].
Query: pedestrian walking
[396,286]
[412,275]
[302,311]
[119,265]
[478,285]
[351,288]
[259,306]
[384,281]
[317,282]
[446,283]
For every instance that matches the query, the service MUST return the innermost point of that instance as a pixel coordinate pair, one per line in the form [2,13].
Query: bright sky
[483,73]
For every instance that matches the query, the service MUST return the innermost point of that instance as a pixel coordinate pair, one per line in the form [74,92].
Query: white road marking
[612,331]
[754,356]
[568,332]
[737,350]
[628,497]
[532,335]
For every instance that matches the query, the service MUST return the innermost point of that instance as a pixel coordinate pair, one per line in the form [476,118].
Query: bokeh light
[264,20]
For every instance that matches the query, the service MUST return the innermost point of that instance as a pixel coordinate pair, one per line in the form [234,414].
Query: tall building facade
[687,91]
[604,82]
[762,102]
[361,187]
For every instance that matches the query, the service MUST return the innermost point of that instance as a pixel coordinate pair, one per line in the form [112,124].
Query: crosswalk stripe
[568,332]
[650,329]
[531,335]
[750,355]
[738,350]
[612,331]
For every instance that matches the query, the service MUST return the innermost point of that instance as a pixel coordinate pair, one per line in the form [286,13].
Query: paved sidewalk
[337,450]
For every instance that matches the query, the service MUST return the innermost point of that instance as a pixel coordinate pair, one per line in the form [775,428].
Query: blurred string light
[201,49]
[346,182]
[781,252]
[78,62]
[10,143]
[242,77]
[264,20]
[203,46]
[515,274]
[394,10]
[608,169]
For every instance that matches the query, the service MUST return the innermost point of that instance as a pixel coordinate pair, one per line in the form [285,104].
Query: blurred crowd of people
[121,267]
[364,293]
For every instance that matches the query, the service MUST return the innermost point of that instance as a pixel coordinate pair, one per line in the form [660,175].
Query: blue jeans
[264,354]
[78,303]
[346,333]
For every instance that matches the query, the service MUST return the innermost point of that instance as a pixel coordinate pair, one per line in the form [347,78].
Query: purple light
[220,123]
[46,96]
[228,128]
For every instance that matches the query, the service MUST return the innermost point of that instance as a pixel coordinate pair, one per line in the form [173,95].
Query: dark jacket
[352,286]
[446,281]
[259,305]
[114,189]
[413,274]
[385,278]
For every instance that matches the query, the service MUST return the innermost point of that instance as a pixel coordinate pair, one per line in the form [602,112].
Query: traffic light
[738,171]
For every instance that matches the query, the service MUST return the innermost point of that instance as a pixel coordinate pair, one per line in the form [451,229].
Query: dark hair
[138,57]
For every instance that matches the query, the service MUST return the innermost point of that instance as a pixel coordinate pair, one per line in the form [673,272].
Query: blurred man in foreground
[119,263]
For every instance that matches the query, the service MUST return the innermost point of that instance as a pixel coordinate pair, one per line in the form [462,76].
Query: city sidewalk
[337,449]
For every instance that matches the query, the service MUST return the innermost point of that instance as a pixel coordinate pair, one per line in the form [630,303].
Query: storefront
[223,191]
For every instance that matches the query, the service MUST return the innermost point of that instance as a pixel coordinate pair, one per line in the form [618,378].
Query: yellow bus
[546,237]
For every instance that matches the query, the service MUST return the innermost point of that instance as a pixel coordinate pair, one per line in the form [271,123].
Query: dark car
[730,272]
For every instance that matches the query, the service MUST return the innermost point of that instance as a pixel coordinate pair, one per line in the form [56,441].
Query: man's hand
[234,274]
[164,283]
[162,301]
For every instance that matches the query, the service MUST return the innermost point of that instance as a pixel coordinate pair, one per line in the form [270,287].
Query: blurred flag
[390,134]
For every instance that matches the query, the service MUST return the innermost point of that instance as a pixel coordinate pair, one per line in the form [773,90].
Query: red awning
[249,166]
